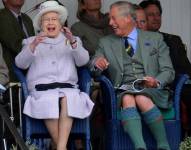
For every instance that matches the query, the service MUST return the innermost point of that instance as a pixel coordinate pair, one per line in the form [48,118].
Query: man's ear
[128,18]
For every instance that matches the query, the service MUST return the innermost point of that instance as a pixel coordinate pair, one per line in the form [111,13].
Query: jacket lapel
[117,48]
[144,46]
[15,23]
[27,25]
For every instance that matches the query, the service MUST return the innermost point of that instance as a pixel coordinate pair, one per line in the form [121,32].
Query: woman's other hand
[69,36]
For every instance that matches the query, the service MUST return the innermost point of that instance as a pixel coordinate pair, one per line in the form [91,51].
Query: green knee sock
[132,125]
[154,120]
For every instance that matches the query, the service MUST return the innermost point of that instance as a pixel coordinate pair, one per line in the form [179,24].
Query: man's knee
[128,101]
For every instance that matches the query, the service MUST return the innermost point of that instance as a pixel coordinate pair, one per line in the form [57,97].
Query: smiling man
[132,54]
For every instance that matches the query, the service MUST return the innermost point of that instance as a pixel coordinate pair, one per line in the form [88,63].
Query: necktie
[128,47]
[21,25]
[20,21]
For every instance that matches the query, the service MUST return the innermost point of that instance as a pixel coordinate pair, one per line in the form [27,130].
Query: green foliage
[28,144]
[186,144]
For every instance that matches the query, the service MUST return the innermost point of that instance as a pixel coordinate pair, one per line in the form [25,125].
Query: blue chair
[34,130]
[117,139]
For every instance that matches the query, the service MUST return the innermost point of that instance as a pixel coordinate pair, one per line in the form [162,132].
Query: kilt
[162,98]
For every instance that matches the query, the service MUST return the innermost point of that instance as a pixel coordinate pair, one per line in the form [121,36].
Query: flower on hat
[49,6]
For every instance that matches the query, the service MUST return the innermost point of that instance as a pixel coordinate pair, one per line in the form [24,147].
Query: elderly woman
[52,57]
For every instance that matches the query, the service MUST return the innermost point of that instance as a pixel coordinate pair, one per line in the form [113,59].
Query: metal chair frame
[8,119]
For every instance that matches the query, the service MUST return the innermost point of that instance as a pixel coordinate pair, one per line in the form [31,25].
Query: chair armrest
[84,79]
[109,96]
[110,100]
[182,78]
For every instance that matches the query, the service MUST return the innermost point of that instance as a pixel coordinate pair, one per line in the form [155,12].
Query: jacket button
[53,62]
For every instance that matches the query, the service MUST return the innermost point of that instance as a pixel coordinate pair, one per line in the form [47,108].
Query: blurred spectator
[177,49]
[92,25]
[141,19]
[4,78]
[14,27]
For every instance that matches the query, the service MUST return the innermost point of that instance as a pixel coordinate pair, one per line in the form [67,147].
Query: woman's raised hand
[38,39]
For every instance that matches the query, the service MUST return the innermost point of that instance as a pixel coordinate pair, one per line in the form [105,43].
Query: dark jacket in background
[11,36]
[178,54]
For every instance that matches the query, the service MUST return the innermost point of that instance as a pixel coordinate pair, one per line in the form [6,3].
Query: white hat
[47,7]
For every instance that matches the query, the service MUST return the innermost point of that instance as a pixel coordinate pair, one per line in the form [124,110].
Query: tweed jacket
[154,52]
[4,77]
[54,61]
[11,36]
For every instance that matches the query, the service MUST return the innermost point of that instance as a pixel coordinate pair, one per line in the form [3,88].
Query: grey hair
[61,18]
[125,8]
